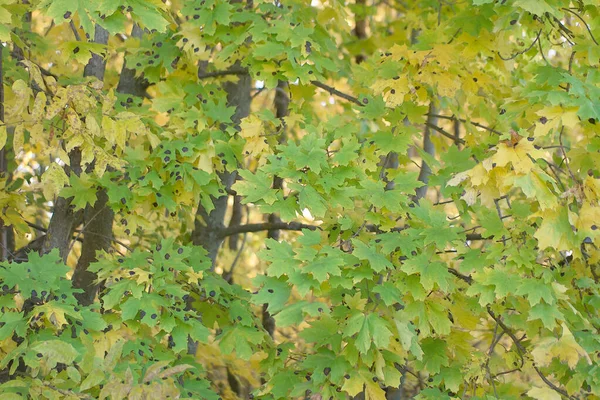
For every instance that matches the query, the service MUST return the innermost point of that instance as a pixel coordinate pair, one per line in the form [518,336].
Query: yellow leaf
[517,155]
[18,138]
[373,391]
[3,136]
[39,105]
[194,277]
[566,349]
[252,130]
[555,230]
[543,393]
[92,126]
[22,93]
[53,180]
[354,385]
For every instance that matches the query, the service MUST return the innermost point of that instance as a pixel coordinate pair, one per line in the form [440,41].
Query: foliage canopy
[328,199]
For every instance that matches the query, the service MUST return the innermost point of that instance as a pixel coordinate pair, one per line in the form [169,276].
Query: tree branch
[453,118]
[265,226]
[444,133]
[333,91]
[522,351]
[216,74]
[584,23]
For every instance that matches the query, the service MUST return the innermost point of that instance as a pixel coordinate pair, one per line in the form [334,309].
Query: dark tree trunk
[208,225]
[97,218]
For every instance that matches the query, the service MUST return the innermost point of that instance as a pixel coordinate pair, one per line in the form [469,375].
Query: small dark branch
[571,59]
[465,278]
[453,118]
[75,32]
[265,226]
[542,52]
[216,74]
[495,339]
[36,227]
[334,92]
[564,31]
[562,148]
[444,133]
[552,385]
[520,349]
[457,133]
[510,371]
[522,51]
[584,23]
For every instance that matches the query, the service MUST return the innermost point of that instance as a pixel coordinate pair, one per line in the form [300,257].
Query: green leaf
[434,355]
[55,351]
[81,192]
[364,252]
[547,313]
[255,187]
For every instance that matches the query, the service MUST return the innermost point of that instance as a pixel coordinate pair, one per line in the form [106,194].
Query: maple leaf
[81,192]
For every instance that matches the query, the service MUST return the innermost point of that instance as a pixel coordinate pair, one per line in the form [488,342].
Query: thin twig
[265,226]
[74,29]
[334,91]
[453,118]
[562,148]
[584,23]
[518,53]
[83,229]
[444,133]
[542,52]
[216,74]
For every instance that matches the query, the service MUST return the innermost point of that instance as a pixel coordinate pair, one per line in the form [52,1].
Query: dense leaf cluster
[426,174]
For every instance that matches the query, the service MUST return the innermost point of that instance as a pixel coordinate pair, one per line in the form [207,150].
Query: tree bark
[64,219]
[208,225]
[7,243]
[282,110]
[97,218]
[128,83]
[429,148]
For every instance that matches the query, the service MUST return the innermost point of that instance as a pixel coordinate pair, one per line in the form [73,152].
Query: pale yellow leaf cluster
[253,131]
[53,180]
[566,349]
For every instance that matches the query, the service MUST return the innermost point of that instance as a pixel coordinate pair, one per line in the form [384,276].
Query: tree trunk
[7,242]
[208,225]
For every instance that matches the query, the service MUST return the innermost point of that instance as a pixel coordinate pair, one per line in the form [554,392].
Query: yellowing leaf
[555,230]
[39,106]
[520,156]
[566,349]
[252,130]
[53,180]
[373,391]
[544,393]
[354,385]
[2,136]
[536,188]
